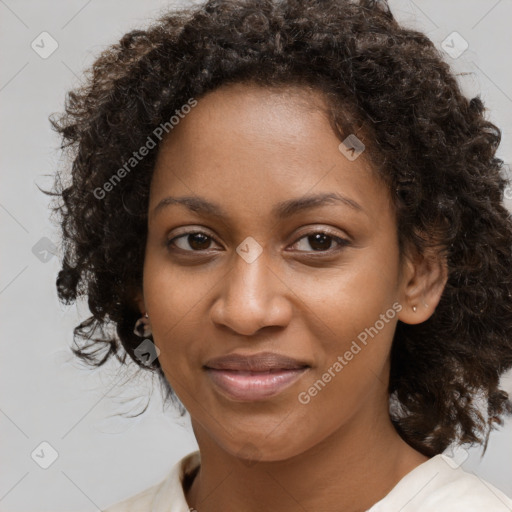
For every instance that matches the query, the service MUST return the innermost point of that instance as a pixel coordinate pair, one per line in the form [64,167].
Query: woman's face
[258,280]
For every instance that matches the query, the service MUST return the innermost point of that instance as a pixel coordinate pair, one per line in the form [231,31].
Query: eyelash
[342,242]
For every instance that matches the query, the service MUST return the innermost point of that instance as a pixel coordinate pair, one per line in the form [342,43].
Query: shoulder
[165,496]
[141,502]
[439,485]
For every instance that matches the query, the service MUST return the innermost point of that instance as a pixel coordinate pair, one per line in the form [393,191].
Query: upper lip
[262,361]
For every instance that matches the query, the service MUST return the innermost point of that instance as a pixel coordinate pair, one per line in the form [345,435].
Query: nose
[250,297]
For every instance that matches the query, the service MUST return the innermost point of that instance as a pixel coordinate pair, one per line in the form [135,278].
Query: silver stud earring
[142,327]
[414,308]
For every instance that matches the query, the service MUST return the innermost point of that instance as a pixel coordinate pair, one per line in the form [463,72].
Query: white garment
[433,486]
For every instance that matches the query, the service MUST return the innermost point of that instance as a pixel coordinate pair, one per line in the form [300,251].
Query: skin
[248,148]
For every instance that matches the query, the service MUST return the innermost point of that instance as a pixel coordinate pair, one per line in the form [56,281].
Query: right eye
[197,240]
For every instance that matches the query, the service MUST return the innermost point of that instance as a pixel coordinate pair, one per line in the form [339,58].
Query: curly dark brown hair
[432,145]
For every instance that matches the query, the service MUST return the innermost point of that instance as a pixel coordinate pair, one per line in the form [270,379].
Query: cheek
[350,297]
[173,300]
[352,316]
[172,294]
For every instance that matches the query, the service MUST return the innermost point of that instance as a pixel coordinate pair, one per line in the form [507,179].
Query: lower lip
[249,386]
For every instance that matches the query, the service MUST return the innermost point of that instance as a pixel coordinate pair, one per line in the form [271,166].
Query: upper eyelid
[192,232]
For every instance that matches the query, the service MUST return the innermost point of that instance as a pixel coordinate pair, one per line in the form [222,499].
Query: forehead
[260,145]
[249,114]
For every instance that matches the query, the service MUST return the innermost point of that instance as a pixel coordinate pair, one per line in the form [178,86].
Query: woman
[292,215]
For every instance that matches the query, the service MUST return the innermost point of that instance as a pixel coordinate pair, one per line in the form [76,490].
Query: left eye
[321,242]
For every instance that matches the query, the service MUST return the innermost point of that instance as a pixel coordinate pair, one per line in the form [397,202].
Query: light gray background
[45,394]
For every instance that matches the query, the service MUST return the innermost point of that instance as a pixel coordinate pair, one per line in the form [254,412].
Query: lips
[253,386]
[254,377]
[261,362]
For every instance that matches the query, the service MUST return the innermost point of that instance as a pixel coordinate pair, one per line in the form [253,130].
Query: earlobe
[423,287]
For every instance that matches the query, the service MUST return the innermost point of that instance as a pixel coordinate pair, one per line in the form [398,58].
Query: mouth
[248,385]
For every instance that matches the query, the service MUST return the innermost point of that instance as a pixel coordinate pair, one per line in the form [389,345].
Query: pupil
[194,239]
[321,239]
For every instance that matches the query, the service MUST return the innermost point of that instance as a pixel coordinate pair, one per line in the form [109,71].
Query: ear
[423,280]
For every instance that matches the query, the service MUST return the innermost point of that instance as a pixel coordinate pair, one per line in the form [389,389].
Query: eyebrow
[281,210]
